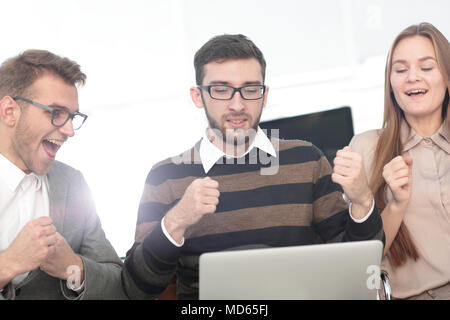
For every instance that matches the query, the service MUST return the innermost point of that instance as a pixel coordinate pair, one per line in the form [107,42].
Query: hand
[397,174]
[349,172]
[31,246]
[60,259]
[201,197]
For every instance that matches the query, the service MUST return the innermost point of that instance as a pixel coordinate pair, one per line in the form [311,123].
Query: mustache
[236,114]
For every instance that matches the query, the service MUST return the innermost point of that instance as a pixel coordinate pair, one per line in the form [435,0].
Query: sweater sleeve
[152,261]
[332,219]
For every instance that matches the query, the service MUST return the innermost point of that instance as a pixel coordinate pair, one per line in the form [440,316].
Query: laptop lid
[348,270]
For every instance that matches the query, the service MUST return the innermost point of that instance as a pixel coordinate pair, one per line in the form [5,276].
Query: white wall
[138,56]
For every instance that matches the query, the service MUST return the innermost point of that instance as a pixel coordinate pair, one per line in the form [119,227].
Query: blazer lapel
[57,196]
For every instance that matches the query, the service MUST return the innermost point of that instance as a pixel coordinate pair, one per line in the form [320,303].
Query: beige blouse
[428,213]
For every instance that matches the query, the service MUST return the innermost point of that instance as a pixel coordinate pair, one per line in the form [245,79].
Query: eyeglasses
[59,115]
[223,92]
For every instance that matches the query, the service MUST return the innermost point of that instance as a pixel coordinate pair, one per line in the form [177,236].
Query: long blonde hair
[390,145]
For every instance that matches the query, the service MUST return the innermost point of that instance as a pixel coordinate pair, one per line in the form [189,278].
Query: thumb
[59,237]
[44,221]
[408,161]
[347,148]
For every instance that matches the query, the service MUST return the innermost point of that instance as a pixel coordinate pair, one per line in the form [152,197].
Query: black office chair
[386,285]
[328,130]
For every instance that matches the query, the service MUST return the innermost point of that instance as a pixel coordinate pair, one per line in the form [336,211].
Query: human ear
[196,97]
[9,111]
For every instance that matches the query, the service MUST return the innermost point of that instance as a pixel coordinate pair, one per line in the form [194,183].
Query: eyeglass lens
[60,117]
[226,92]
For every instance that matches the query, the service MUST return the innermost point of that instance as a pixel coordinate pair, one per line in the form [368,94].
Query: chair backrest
[328,130]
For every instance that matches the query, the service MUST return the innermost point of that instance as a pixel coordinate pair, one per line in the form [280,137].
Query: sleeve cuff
[365,217]
[157,249]
[7,293]
[72,287]
[163,227]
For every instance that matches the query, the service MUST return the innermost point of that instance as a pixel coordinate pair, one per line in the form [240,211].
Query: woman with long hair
[407,162]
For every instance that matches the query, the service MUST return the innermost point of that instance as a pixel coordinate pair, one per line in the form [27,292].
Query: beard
[22,145]
[235,137]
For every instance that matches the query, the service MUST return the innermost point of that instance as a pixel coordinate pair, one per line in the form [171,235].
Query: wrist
[360,210]
[397,208]
[173,226]
[76,267]
[7,272]
[365,201]
[81,266]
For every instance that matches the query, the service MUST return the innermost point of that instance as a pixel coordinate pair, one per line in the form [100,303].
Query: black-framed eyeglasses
[59,115]
[224,92]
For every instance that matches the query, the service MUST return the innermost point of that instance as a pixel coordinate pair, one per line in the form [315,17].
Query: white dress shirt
[23,197]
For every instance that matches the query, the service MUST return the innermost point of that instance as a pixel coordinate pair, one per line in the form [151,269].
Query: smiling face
[35,141]
[416,80]
[236,116]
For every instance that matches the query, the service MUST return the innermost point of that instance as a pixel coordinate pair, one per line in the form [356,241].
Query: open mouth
[237,123]
[416,92]
[51,146]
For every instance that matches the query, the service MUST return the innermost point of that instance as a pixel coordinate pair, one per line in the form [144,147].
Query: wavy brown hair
[18,73]
[390,145]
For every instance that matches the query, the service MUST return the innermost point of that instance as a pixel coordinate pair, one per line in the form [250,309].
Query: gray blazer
[73,212]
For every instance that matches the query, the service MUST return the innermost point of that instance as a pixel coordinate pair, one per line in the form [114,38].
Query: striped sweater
[299,205]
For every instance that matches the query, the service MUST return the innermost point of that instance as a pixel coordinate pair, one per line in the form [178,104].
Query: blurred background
[138,57]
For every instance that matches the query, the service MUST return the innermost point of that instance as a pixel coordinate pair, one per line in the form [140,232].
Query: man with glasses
[52,245]
[220,195]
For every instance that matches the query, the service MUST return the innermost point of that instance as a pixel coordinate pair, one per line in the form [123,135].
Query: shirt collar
[411,138]
[209,153]
[408,136]
[13,177]
[442,137]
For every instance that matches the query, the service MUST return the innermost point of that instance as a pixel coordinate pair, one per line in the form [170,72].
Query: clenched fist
[397,174]
[201,197]
[349,172]
[62,257]
[31,246]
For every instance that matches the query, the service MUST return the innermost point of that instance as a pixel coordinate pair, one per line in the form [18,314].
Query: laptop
[348,270]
